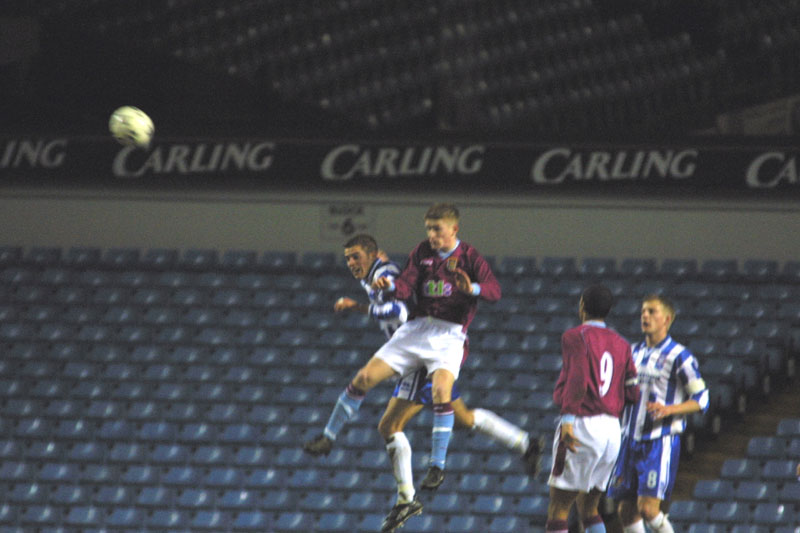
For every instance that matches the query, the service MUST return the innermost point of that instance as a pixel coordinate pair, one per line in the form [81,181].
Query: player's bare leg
[375,371]
[646,509]
[588,510]
[558,509]
[443,419]
[503,431]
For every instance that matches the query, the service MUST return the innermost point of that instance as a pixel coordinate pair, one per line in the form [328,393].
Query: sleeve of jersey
[632,392]
[574,350]
[693,383]
[490,287]
[406,282]
[389,311]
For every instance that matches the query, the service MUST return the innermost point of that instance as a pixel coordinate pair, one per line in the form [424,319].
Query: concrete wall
[497,225]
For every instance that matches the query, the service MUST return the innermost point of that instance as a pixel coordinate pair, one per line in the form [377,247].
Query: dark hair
[597,301]
[367,242]
[439,211]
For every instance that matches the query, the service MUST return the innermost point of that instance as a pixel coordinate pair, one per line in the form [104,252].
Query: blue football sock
[346,406]
[443,419]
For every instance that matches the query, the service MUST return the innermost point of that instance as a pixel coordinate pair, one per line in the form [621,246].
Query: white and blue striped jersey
[389,312]
[668,374]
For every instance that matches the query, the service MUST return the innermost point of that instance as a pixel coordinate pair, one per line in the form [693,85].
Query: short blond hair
[442,210]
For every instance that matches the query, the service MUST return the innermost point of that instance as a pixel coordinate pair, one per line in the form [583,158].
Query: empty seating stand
[157,390]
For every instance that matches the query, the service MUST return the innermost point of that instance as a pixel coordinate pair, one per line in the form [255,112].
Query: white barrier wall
[497,225]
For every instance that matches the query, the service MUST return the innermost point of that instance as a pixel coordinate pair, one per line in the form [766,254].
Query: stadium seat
[789,428]
[727,512]
[749,528]
[766,448]
[760,269]
[155,496]
[294,521]
[558,266]
[168,519]
[464,524]
[740,469]
[534,507]
[490,504]
[774,514]
[334,522]
[517,266]
[755,491]
[676,269]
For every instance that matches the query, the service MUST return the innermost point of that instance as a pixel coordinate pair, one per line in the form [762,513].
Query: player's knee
[388,427]
[649,508]
[441,392]
[464,418]
[363,380]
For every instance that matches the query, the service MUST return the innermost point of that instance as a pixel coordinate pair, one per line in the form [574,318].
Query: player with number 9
[598,377]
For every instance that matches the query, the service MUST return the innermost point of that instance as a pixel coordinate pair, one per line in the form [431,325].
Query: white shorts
[425,341]
[591,465]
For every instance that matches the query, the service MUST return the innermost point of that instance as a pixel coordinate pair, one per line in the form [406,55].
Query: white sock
[636,527]
[660,524]
[399,451]
[501,430]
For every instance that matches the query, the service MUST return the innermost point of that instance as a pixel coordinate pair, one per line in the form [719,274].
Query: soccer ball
[131,126]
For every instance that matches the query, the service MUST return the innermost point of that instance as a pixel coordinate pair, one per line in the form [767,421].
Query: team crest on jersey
[427,262]
[452,263]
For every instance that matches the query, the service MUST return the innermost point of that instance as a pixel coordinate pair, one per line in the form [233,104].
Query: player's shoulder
[674,347]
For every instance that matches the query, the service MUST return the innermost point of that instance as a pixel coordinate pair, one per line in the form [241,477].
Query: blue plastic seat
[140,474]
[126,452]
[318,501]
[89,451]
[464,524]
[766,448]
[27,493]
[756,491]
[740,469]
[168,519]
[53,471]
[507,524]
[112,495]
[474,483]
[774,514]
[558,266]
[237,499]
[121,257]
[517,266]
[278,499]
[427,523]
[294,521]
[749,528]
[678,268]
[728,512]
[688,511]
[210,520]
[195,498]
[490,504]
[84,516]
[156,496]
[252,521]
[780,470]
[534,507]
[223,477]
[305,478]
[598,267]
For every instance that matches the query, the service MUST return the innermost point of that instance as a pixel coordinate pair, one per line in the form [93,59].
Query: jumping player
[412,392]
[597,378]
[672,388]
[447,277]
